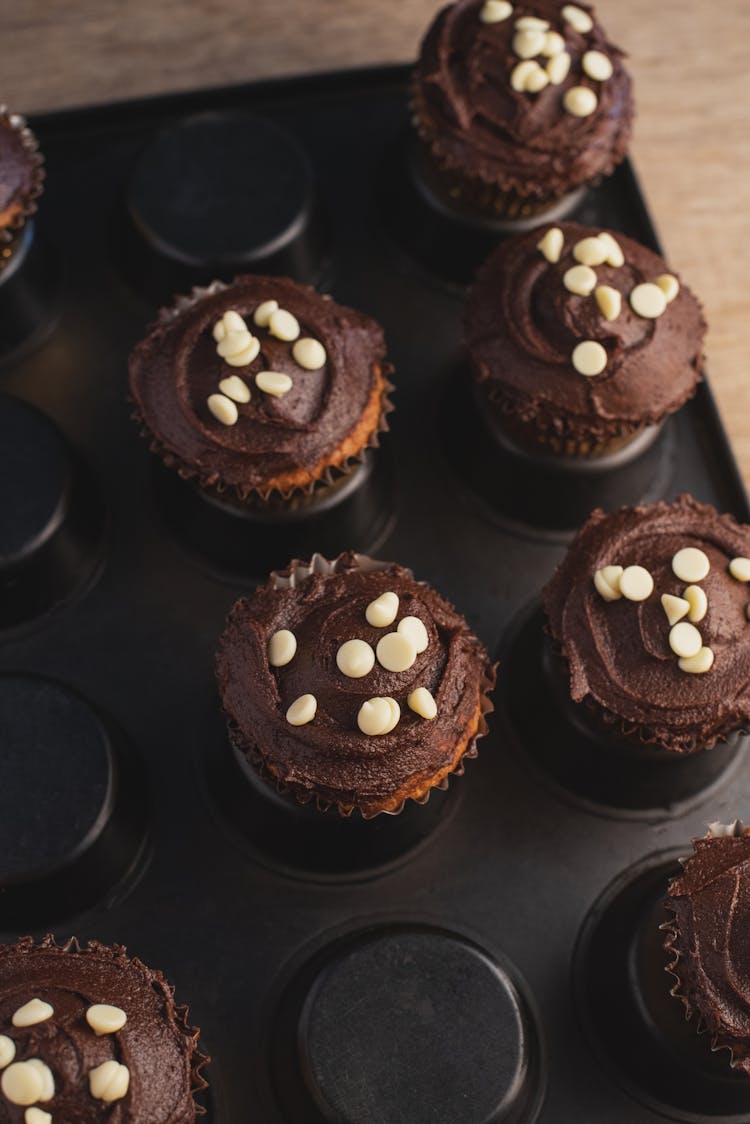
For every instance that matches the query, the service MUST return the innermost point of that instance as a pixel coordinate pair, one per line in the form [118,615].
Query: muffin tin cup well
[407,1023]
[29,288]
[636,1028]
[606,771]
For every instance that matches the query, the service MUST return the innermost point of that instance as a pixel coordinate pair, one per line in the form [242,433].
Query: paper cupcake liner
[718,1041]
[292,577]
[117,953]
[260,496]
[11,231]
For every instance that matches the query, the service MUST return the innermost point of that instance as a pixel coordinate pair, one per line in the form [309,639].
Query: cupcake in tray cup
[649,610]
[353,685]
[579,339]
[517,105]
[87,1034]
[21,179]
[261,388]
[707,942]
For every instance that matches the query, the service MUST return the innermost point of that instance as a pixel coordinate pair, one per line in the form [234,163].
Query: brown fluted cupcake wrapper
[292,577]
[265,497]
[11,232]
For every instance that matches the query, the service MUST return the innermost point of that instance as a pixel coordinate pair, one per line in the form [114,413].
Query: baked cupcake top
[707,938]
[530,97]
[20,171]
[260,385]
[586,332]
[352,683]
[90,1035]
[650,609]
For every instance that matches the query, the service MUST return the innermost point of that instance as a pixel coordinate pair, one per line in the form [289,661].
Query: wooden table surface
[688,57]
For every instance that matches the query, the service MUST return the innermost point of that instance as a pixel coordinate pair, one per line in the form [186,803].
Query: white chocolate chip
[245,357]
[355,658]
[46,1078]
[597,66]
[579,279]
[551,245]
[263,313]
[528,44]
[698,602]
[648,300]
[103,1018]
[495,11]
[37,1116]
[223,409]
[609,301]
[615,256]
[233,322]
[422,703]
[521,74]
[607,582]
[685,640]
[536,80]
[302,710]
[235,388]
[378,716]
[282,648]
[415,630]
[382,611]
[578,19]
[636,583]
[698,664]
[283,325]
[690,564]
[7,1050]
[233,343]
[21,1083]
[675,607]
[590,251]
[580,101]
[274,383]
[669,285]
[554,44]
[310,354]
[396,651]
[531,23]
[33,1012]
[589,358]
[739,568]
[109,1081]
[219,331]
[558,68]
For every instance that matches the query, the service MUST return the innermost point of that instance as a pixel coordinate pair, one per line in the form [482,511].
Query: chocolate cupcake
[87,1034]
[579,339]
[262,386]
[518,104]
[649,609]
[350,683]
[21,176]
[706,938]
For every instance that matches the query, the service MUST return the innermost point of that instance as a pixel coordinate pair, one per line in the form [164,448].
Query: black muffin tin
[489,956]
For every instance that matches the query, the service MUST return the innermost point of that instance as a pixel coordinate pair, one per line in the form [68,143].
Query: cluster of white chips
[238,347]
[534,39]
[31,1082]
[648,300]
[395,651]
[683,613]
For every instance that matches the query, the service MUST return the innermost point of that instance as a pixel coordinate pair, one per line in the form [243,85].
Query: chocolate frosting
[618,651]
[156,1044]
[330,758]
[176,367]
[20,170]
[474,120]
[708,940]
[522,325]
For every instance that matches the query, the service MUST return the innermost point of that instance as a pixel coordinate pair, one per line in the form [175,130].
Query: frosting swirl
[330,757]
[475,121]
[278,442]
[522,325]
[619,653]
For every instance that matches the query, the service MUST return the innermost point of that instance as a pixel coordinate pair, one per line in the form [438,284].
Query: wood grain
[688,57]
